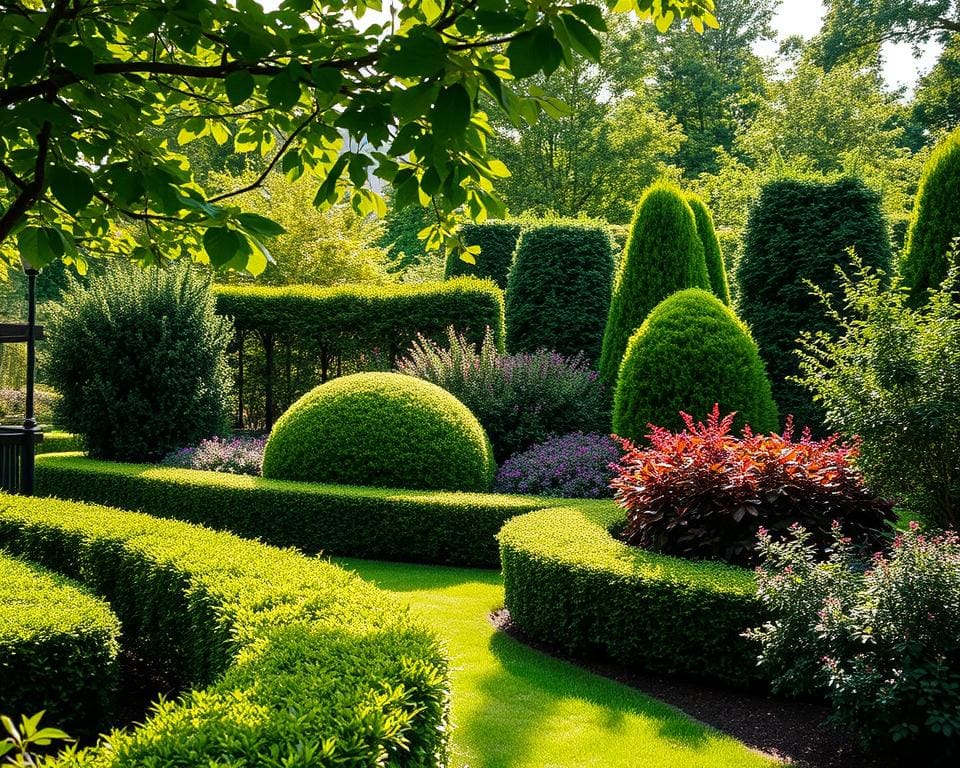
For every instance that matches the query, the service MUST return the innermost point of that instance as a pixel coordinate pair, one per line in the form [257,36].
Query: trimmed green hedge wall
[559,289]
[58,441]
[58,649]
[292,661]
[372,523]
[571,585]
[497,241]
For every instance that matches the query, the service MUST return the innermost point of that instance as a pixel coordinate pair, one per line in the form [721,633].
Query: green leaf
[221,245]
[326,79]
[590,14]
[78,59]
[35,247]
[419,54]
[239,86]
[256,224]
[25,65]
[283,91]
[72,188]
[451,113]
[145,23]
[327,193]
[582,37]
[414,102]
[524,53]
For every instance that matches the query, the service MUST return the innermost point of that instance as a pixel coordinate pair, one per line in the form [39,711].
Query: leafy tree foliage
[936,103]
[712,255]
[936,221]
[663,255]
[305,86]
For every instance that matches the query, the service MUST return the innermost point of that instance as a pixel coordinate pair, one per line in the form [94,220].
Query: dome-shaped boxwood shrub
[558,292]
[799,231]
[935,222]
[690,353]
[712,255]
[380,429]
[497,241]
[663,255]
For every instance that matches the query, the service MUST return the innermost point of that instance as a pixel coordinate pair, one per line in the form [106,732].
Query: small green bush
[663,255]
[713,256]
[371,523]
[58,649]
[691,353]
[800,231]
[569,583]
[935,222]
[497,241]
[286,660]
[139,357]
[558,292]
[381,429]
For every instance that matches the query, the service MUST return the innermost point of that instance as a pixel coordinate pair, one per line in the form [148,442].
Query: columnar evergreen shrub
[497,241]
[558,292]
[712,254]
[140,360]
[691,353]
[935,222]
[663,255]
[800,231]
[381,429]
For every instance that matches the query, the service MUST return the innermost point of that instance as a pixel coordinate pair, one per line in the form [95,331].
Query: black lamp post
[29,420]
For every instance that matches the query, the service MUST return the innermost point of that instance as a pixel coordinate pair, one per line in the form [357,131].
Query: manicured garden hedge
[58,441]
[571,585]
[58,649]
[290,661]
[497,241]
[373,523]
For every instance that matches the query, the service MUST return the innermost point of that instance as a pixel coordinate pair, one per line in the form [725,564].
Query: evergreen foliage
[691,353]
[558,292]
[935,222]
[663,255]
[712,254]
[798,232]
[497,241]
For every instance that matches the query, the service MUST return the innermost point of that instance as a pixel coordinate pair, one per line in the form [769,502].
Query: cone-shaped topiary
[799,231]
[497,241]
[712,255]
[935,222]
[558,292]
[381,429]
[691,352]
[663,255]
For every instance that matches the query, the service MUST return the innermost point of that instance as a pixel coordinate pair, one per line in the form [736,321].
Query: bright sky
[805,17]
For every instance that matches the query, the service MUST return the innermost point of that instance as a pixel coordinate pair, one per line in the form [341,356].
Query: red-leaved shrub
[703,493]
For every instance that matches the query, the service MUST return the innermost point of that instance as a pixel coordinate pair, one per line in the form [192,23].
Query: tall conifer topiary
[663,255]
[935,222]
[798,232]
[712,254]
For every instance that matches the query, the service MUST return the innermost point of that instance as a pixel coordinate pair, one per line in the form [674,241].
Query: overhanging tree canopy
[305,86]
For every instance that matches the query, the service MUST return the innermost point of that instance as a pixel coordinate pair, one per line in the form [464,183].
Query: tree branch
[31,192]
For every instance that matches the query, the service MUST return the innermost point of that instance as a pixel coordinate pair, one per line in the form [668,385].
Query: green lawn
[514,707]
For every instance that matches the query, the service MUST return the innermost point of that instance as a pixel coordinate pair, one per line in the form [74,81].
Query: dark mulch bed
[793,731]
[141,683]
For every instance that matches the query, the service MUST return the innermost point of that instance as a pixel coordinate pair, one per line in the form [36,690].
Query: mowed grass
[514,707]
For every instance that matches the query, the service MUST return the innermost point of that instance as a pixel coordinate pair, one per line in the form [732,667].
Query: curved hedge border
[571,585]
[58,649]
[291,661]
[372,523]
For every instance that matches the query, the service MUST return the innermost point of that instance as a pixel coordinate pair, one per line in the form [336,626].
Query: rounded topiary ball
[381,429]
[690,353]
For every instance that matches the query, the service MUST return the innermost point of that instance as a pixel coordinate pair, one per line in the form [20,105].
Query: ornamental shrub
[881,638]
[577,466]
[702,493]
[800,231]
[139,358]
[712,255]
[235,455]
[663,255]
[497,241]
[519,399]
[558,292]
[890,373]
[691,352]
[935,221]
[380,429]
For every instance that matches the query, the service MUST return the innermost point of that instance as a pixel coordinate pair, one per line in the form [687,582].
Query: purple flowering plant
[236,455]
[576,465]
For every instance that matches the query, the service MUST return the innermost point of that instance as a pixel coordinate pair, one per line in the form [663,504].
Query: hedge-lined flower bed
[569,583]
[58,649]
[291,661]
[372,523]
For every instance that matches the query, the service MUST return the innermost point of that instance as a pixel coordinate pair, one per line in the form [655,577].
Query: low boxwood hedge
[58,441]
[569,583]
[290,661]
[58,649]
[372,523]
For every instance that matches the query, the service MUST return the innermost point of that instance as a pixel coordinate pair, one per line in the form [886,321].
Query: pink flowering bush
[235,455]
[880,637]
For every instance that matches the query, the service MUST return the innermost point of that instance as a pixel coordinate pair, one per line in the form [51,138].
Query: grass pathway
[514,707]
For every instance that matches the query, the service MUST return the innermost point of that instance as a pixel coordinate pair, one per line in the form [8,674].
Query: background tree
[936,103]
